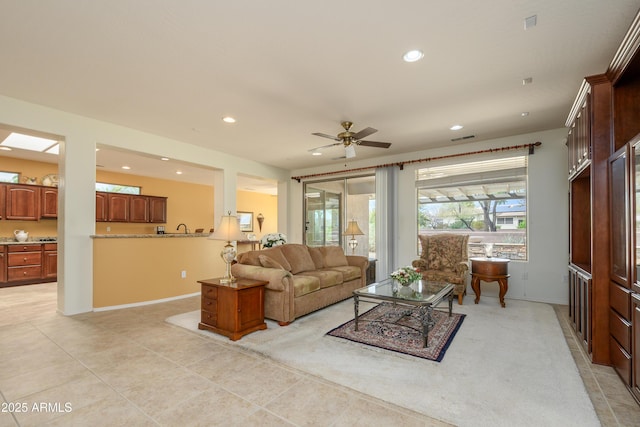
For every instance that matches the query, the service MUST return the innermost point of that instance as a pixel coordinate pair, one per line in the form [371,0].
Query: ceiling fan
[350,139]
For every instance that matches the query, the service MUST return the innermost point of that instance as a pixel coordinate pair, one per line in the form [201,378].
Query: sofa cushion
[303,285]
[333,256]
[298,257]
[252,257]
[316,256]
[349,272]
[268,262]
[327,278]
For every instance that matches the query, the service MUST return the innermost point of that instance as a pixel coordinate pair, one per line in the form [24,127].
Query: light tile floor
[129,367]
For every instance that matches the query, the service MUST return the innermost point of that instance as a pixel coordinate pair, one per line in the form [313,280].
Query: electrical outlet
[108,229]
[183,274]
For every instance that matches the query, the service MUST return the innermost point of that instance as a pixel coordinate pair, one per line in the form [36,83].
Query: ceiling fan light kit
[349,140]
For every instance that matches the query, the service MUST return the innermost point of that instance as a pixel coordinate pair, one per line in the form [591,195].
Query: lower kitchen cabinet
[49,261]
[28,263]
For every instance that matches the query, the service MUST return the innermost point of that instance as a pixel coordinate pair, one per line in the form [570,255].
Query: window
[9,177]
[115,188]
[485,199]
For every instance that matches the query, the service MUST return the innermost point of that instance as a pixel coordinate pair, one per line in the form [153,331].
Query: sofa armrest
[277,277]
[359,261]
[462,267]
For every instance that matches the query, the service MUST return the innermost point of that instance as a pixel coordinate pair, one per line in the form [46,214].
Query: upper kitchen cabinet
[22,202]
[157,209]
[102,207]
[139,209]
[116,207]
[49,202]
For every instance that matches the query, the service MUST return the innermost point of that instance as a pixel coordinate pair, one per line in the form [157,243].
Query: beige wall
[135,270]
[266,204]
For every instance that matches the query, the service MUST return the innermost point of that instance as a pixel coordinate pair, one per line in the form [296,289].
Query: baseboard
[138,304]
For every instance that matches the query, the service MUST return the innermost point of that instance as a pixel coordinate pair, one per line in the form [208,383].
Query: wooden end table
[490,270]
[232,309]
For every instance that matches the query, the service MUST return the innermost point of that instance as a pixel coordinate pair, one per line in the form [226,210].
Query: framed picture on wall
[246,221]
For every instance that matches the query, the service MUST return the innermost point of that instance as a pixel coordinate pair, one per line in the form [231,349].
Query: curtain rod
[530,146]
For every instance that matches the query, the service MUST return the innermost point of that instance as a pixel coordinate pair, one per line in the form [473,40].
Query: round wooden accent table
[490,270]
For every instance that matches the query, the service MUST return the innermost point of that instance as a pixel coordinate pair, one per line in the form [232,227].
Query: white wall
[540,278]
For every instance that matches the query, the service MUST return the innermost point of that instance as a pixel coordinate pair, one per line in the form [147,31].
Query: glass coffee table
[422,295]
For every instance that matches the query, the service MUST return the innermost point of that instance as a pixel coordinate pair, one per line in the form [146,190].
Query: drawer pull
[24,259]
[24,273]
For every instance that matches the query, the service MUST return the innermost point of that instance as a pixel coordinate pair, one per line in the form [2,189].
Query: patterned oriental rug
[390,327]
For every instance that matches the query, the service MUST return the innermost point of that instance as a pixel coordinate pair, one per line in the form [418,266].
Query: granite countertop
[145,236]
[31,240]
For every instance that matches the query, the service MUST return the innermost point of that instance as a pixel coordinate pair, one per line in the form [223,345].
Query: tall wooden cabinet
[604,175]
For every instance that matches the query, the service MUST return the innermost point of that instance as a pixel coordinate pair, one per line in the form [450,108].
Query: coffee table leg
[355,309]
[426,317]
[450,303]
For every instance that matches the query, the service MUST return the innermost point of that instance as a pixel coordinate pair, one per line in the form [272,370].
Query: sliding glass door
[332,204]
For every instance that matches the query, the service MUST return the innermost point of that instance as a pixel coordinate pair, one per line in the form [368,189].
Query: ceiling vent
[463,137]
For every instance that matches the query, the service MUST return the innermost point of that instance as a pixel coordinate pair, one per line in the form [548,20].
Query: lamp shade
[353,229]
[228,229]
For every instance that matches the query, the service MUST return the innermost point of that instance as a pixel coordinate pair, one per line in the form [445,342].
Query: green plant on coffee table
[406,275]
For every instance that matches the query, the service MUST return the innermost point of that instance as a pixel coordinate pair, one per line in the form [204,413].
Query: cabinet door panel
[102,210]
[118,210]
[22,202]
[618,190]
[158,210]
[139,209]
[49,202]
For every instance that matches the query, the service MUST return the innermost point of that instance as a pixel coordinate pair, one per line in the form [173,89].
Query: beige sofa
[302,279]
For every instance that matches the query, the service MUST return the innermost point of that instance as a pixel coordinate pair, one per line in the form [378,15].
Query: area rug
[506,366]
[393,327]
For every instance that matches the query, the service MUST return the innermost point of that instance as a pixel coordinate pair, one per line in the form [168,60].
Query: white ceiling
[287,68]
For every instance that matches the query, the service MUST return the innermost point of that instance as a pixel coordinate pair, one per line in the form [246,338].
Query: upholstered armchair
[444,258]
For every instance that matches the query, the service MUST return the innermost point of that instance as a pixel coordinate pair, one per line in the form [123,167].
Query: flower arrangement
[406,275]
[273,239]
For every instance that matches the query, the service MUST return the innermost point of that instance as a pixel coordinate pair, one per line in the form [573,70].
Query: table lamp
[353,230]
[228,230]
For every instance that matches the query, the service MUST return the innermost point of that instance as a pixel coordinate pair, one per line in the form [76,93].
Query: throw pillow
[267,262]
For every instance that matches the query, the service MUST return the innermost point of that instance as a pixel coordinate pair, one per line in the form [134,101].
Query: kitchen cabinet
[24,262]
[3,263]
[22,202]
[115,207]
[157,209]
[118,207]
[138,209]
[101,207]
[49,202]
[49,260]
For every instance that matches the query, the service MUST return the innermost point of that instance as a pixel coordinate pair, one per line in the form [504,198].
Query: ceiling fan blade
[364,133]
[374,144]
[325,146]
[324,135]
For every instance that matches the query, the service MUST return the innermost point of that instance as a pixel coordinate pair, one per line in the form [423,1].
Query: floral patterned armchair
[444,258]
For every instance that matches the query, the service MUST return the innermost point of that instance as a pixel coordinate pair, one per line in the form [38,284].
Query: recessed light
[413,56]
[524,113]
[456,127]
[126,167]
[527,81]
[178,172]
[228,119]
[316,153]
[164,159]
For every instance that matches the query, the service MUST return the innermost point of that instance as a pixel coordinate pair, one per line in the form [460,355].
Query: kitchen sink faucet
[186,230]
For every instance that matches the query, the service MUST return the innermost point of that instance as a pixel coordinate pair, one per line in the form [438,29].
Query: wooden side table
[232,309]
[490,270]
